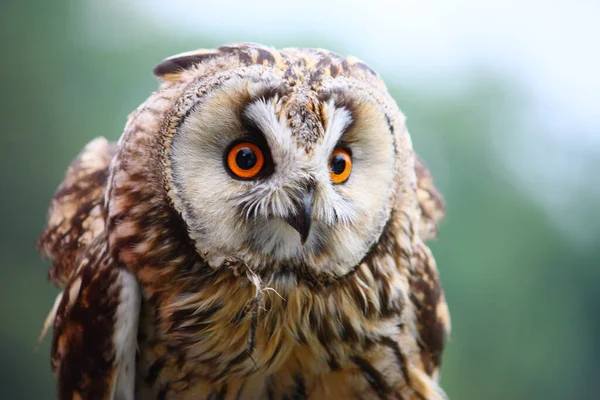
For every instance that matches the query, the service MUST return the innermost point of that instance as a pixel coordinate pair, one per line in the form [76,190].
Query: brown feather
[432,318]
[93,348]
[76,213]
[83,354]
[430,200]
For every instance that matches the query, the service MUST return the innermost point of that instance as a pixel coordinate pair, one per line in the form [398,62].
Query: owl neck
[251,323]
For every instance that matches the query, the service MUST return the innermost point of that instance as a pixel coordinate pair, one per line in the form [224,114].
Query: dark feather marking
[299,272]
[240,358]
[162,394]
[348,333]
[373,377]
[390,125]
[388,121]
[237,360]
[400,361]
[275,352]
[239,316]
[127,242]
[334,70]
[154,370]
[314,78]
[181,317]
[300,392]
[204,359]
[345,65]
[179,64]
[290,75]
[234,48]
[333,362]
[302,339]
[180,358]
[400,358]
[365,67]
[245,57]
[325,333]
[341,100]
[269,389]
[243,52]
[387,310]
[356,294]
[264,55]
[270,93]
[86,363]
[323,62]
[219,394]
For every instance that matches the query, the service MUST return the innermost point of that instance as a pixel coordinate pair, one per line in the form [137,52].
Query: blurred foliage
[524,299]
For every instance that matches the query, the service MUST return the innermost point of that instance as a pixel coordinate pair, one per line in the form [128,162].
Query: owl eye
[340,165]
[245,160]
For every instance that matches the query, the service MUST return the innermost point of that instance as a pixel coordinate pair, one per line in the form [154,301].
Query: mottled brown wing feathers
[76,213]
[430,200]
[431,310]
[93,348]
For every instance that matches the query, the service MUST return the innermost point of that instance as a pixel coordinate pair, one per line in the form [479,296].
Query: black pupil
[245,158]
[338,164]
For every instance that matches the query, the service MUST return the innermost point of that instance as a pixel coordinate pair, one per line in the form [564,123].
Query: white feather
[125,336]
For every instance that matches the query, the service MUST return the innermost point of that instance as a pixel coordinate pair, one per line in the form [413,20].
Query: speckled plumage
[158,250]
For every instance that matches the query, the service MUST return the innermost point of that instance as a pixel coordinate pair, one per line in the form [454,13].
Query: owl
[257,232]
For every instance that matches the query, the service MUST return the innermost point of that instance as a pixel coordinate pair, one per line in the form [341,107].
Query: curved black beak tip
[302,220]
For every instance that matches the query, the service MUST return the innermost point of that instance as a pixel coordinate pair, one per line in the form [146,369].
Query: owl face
[282,173]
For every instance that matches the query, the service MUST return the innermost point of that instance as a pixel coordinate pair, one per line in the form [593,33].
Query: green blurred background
[519,252]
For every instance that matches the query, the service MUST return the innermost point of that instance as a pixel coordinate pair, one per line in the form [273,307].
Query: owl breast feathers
[257,232]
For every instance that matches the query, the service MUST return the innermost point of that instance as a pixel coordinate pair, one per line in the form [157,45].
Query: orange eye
[340,165]
[245,160]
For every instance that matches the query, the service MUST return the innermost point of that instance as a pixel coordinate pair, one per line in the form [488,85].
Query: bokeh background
[503,102]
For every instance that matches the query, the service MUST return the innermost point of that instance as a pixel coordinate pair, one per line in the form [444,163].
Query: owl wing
[77,212]
[431,310]
[95,317]
[430,200]
[95,329]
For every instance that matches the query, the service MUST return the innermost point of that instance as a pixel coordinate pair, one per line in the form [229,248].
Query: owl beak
[302,219]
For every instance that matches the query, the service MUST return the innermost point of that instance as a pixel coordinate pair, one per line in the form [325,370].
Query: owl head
[281,160]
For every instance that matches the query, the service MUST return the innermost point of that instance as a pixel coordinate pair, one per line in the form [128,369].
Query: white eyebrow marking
[338,119]
[262,113]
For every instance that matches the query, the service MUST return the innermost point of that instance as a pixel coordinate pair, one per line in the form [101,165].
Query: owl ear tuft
[172,67]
